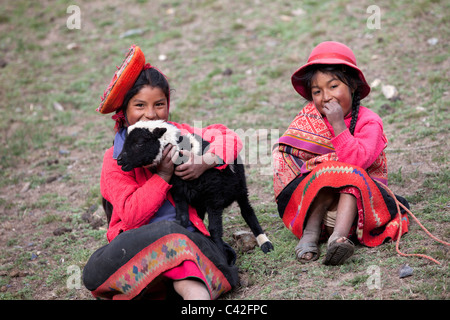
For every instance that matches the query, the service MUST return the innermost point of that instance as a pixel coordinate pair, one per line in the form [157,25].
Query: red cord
[418,222]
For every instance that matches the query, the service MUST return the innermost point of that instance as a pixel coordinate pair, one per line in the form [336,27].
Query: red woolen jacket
[137,195]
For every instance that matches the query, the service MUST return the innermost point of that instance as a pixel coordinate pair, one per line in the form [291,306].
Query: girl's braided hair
[347,75]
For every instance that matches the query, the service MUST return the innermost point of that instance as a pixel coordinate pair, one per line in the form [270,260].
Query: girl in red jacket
[328,163]
[149,255]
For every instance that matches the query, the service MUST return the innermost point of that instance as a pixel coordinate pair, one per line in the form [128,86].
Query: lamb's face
[142,147]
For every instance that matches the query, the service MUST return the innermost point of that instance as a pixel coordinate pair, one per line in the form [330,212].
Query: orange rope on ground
[418,222]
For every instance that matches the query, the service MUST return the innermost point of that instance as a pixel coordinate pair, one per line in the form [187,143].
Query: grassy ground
[228,62]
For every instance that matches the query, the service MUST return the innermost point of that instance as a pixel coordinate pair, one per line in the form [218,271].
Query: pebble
[61,230]
[245,240]
[63,152]
[390,92]
[131,32]
[3,63]
[375,83]
[405,271]
[433,41]
[298,12]
[227,72]
[58,106]
[18,273]
[72,46]
[25,187]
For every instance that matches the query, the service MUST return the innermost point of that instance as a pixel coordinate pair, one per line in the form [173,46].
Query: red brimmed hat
[329,52]
[122,81]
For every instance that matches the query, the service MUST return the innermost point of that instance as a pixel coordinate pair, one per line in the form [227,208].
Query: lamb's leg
[250,218]
[182,210]
[215,226]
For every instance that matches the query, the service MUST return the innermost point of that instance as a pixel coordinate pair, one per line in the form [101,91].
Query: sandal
[338,252]
[308,247]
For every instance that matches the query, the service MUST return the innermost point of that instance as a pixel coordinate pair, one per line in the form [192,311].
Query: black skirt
[136,259]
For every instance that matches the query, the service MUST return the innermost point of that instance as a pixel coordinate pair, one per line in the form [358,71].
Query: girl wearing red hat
[149,255]
[329,163]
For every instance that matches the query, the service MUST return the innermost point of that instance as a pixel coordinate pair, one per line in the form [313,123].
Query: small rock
[375,83]
[50,162]
[3,63]
[227,72]
[271,43]
[63,152]
[131,32]
[433,41]
[245,240]
[14,273]
[58,106]
[390,92]
[405,271]
[18,273]
[72,46]
[25,187]
[61,230]
[97,223]
[51,179]
[86,217]
[298,12]
[33,256]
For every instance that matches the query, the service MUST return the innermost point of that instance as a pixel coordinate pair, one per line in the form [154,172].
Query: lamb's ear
[158,132]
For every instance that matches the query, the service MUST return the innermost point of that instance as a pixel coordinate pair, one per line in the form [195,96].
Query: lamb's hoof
[264,243]
[267,247]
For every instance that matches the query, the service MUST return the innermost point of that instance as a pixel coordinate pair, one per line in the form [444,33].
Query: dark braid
[355,111]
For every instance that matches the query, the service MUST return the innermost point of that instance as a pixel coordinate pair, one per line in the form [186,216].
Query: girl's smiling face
[326,87]
[150,103]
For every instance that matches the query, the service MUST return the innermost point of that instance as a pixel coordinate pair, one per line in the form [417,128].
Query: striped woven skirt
[143,262]
[377,220]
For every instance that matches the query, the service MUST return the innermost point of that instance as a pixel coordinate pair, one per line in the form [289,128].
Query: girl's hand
[165,167]
[195,165]
[335,115]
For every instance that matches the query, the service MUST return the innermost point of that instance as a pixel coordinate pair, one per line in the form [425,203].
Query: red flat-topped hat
[329,52]
[123,80]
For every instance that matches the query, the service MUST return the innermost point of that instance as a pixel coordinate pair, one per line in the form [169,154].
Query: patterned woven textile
[307,143]
[305,161]
[377,220]
[137,258]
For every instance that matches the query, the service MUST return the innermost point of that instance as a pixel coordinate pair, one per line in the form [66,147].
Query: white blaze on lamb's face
[171,135]
[147,140]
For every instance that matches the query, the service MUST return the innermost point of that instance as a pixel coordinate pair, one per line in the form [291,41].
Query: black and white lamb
[212,192]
